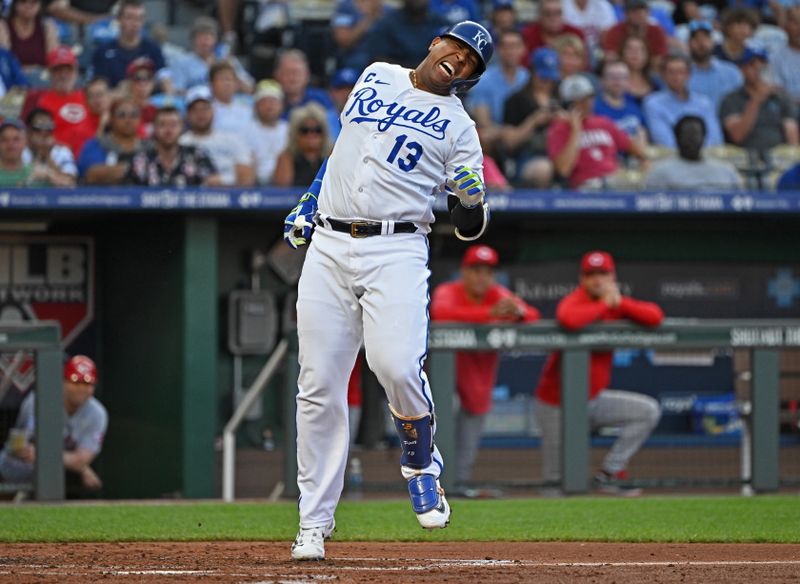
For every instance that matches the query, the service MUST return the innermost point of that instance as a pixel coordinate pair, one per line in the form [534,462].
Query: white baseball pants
[375,289]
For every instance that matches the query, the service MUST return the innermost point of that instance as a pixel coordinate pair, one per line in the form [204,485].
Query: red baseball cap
[597,261]
[59,56]
[140,63]
[480,255]
[80,369]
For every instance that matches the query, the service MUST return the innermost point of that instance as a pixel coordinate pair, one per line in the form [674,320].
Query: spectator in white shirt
[230,114]
[229,152]
[593,17]
[53,163]
[269,135]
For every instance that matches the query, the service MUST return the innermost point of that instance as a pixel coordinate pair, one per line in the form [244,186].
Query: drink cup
[18,438]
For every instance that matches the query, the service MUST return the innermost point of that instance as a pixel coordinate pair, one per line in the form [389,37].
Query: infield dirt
[348,562]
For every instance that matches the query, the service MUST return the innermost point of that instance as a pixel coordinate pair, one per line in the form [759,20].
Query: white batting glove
[467,186]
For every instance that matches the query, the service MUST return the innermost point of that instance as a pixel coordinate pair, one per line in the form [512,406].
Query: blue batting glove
[299,223]
[467,186]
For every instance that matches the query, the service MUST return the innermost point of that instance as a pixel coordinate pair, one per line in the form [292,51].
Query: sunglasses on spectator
[311,130]
[127,114]
[41,127]
[142,77]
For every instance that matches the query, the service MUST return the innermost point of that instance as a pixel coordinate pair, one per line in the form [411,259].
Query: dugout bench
[764,338]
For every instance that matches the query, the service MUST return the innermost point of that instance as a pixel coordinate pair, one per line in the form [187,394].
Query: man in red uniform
[476,298]
[584,147]
[597,299]
[63,100]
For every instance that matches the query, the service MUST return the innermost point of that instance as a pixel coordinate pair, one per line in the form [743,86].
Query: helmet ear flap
[460,86]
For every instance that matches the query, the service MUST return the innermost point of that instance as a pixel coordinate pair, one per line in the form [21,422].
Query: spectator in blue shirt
[738,26]
[11,74]
[192,68]
[293,73]
[502,17]
[341,85]
[455,11]
[105,159]
[615,102]
[403,36]
[664,108]
[790,180]
[110,60]
[710,76]
[769,10]
[503,77]
[351,24]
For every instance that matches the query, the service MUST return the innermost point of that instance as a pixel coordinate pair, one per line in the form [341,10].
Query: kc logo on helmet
[480,39]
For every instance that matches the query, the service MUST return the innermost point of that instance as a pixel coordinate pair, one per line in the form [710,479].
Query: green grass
[653,519]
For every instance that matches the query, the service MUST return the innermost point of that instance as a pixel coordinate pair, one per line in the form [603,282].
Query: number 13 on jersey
[413,152]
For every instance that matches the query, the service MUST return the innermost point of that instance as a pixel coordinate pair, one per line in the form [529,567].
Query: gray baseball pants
[469,429]
[634,413]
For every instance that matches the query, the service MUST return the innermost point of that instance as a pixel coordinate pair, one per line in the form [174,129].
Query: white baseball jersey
[399,140]
[397,147]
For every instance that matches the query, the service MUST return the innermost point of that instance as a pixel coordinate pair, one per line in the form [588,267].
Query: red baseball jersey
[578,310]
[599,144]
[71,117]
[476,371]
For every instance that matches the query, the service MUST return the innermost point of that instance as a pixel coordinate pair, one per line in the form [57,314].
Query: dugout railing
[765,338]
[42,340]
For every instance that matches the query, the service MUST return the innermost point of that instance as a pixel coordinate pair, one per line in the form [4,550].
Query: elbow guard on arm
[470,222]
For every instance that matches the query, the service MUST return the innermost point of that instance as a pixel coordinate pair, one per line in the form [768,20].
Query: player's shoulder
[95,409]
[386,72]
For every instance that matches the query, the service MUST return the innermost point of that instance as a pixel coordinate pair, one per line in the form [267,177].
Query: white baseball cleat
[310,543]
[438,517]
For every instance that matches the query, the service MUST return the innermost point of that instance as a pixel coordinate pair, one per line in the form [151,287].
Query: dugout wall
[162,278]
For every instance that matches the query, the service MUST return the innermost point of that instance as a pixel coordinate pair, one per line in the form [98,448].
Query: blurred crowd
[584,94]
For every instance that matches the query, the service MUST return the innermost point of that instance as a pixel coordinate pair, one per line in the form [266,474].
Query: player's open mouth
[447,68]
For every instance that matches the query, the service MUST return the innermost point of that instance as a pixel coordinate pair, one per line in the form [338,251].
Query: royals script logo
[368,107]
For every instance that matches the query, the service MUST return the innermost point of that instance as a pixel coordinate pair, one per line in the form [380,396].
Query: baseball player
[405,138]
[85,424]
[596,299]
[476,297]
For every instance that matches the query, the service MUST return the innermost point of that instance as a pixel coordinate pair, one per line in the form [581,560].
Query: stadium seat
[783,156]
[627,179]
[658,152]
[736,155]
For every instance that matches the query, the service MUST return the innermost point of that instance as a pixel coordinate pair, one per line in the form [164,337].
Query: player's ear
[435,42]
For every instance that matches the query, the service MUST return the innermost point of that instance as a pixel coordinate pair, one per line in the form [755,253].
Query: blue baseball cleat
[428,501]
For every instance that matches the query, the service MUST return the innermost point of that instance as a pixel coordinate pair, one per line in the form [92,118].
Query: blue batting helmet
[480,41]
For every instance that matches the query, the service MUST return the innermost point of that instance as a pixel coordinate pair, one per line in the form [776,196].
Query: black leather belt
[368,228]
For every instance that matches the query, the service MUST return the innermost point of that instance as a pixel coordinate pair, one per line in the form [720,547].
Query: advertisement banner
[45,278]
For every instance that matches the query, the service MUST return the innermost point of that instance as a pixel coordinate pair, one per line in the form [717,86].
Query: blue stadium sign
[283,199]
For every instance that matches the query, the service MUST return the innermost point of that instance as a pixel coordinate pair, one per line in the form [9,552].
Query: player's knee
[395,372]
[652,412]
